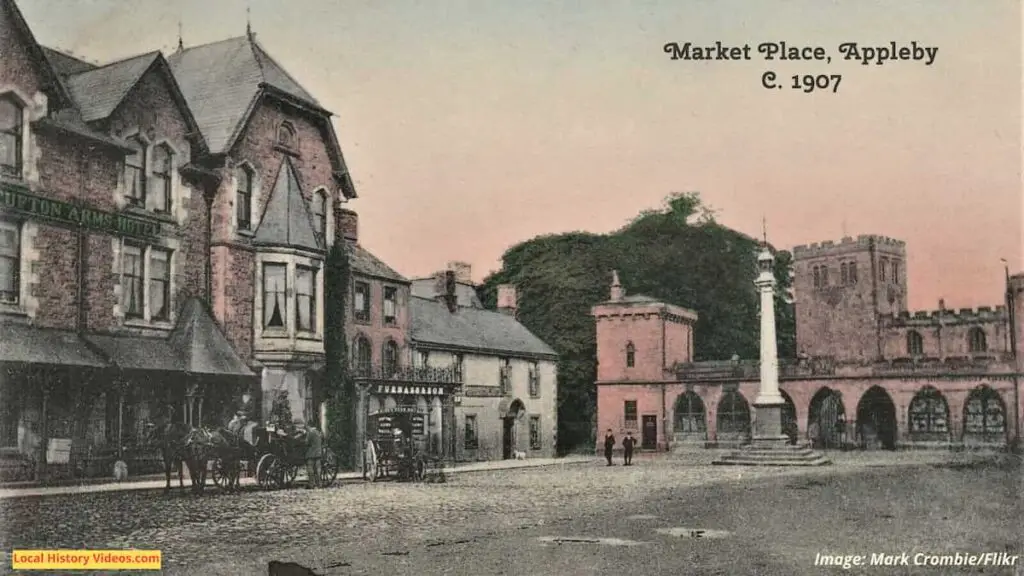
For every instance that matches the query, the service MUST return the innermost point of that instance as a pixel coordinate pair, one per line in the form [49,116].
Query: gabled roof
[45,66]
[222,82]
[365,263]
[66,64]
[286,219]
[100,90]
[203,347]
[472,329]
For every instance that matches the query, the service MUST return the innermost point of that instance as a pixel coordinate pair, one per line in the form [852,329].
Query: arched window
[929,413]
[320,215]
[390,358]
[844,277]
[824,276]
[630,355]
[976,341]
[733,414]
[689,414]
[243,198]
[984,414]
[362,354]
[852,271]
[817,277]
[286,135]
[135,173]
[895,271]
[11,128]
[882,268]
[915,344]
[159,199]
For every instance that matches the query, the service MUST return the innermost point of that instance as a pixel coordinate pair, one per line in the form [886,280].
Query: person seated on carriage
[244,422]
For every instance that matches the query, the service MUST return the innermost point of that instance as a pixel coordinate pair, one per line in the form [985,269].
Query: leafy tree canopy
[678,254]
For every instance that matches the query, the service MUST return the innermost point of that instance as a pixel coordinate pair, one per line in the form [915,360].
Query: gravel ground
[492,522]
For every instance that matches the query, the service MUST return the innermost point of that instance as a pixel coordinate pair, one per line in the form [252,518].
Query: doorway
[508,433]
[649,433]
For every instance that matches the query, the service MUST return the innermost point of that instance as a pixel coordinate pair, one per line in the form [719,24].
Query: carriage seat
[249,432]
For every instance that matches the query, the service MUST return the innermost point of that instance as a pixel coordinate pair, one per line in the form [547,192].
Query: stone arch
[876,419]
[928,416]
[789,419]
[689,417]
[984,417]
[373,404]
[286,135]
[826,419]
[732,418]
[390,403]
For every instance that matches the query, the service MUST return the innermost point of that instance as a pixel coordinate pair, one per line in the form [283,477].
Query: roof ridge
[68,54]
[258,49]
[153,53]
[197,46]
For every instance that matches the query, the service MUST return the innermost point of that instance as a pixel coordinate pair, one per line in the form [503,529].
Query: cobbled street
[482,522]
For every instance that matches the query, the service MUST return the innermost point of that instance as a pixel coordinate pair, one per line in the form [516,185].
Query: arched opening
[928,416]
[976,340]
[390,358]
[826,420]
[733,418]
[320,215]
[630,355]
[876,420]
[690,418]
[789,424]
[510,418]
[915,344]
[362,353]
[286,135]
[984,417]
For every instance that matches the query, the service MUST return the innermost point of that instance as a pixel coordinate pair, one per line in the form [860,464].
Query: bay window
[305,299]
[132,287]
[275,306]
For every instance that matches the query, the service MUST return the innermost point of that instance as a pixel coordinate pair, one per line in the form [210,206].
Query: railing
[409,374]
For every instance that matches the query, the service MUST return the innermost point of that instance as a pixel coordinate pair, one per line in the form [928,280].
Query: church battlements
[922,318]
[849,244]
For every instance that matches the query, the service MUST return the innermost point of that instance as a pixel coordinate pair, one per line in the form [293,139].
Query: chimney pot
[507,299]
[463,272]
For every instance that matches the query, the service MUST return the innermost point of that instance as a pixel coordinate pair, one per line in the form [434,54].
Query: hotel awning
[23,344]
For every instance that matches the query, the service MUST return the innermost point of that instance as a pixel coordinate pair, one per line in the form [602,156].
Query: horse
[230,449]
[181,444]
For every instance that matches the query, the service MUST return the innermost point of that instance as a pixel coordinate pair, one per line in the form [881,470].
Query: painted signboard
[19,200]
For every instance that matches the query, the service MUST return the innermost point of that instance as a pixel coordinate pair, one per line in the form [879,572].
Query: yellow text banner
[86,560]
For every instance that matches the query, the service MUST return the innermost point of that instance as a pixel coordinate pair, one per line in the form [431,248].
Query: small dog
[519,455]
[276,568]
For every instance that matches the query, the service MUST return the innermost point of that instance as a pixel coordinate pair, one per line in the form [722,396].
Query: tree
[339,386]
[678,254]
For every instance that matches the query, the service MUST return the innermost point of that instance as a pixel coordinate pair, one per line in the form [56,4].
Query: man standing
[609,444]
[314,453]
[627,449]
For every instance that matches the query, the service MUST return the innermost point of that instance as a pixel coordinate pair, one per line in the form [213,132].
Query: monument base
[770,447]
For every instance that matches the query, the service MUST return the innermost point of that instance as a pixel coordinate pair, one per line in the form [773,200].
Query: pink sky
[478,125]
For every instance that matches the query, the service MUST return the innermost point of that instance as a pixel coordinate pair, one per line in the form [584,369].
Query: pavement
[342,477]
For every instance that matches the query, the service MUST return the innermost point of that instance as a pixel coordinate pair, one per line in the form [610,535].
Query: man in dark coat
[609,444]
[627,449]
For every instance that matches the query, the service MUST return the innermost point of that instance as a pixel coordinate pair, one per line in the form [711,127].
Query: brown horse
[229,449]
[180,445]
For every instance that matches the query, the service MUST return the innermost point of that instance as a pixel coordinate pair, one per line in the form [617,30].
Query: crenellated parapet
[883,244]
[929,318]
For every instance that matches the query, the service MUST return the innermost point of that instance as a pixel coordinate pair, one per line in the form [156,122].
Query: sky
[472,125]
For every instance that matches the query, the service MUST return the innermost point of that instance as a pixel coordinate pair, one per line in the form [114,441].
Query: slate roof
[32,345]
[472,328]
[365,263]
[196,346]
[66,64]
[221,82]
[286,220]
[100,90]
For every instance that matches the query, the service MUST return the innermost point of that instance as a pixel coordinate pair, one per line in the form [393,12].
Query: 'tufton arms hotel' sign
[19,200]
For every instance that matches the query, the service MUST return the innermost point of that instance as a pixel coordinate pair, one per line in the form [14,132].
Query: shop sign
[77,215]
[397,389]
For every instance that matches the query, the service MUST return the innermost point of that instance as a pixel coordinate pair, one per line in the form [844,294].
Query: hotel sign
[410,390]
[18,200]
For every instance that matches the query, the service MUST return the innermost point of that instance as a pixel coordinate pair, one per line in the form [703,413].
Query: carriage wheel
[288,474]
[269,474]
[328,468]
[219,474]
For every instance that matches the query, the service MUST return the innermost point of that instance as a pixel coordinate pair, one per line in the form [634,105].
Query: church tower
[842,290]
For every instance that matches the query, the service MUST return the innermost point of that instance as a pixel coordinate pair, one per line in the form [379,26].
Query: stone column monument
[770,445]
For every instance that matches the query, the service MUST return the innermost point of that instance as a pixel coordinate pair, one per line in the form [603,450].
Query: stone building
[103,277]
[508,398]
[869,373]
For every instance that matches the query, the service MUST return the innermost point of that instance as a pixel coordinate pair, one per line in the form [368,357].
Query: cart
[396,445]
[278,457]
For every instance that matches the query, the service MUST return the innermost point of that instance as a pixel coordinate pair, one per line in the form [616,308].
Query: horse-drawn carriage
[398,443]
[274,455]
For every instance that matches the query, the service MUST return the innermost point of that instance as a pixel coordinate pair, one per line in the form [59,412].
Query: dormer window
[286,135]
[159,199]
[11,127]
[243,198]
[135,173]
[320,215]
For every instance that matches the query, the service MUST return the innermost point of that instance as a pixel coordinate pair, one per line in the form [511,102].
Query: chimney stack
[617,292]
[348,225]
[449,295]
[507,299]
[463,272]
